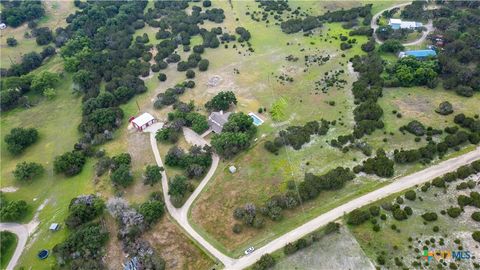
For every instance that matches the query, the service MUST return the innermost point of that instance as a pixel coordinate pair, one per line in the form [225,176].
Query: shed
[399,24]
[143,121]
[54,227]
[232,169]
[217,120]
[2,26]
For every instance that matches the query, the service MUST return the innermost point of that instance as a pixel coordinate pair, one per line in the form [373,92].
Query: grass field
[56,12]
[394,243]
[7,255]
[212,212]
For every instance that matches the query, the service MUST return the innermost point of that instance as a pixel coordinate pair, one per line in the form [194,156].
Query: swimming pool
[256,120]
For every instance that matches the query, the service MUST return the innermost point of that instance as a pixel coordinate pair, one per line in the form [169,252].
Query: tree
[20,138]
[266,261]
[152,211]
[410,195]
[44,80]
[152,175]
[84,209]
[430,216]
[228,144]
[27,171]
[190,74]
[84,79]
[12,210]
[122,176]
[357,217]
[43,35]
[391,45]
[69,163]
[12,42]
[203,65]
[178,186]
[221,101]
[454,211]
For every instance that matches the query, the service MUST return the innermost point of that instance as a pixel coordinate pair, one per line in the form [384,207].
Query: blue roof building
[418,53]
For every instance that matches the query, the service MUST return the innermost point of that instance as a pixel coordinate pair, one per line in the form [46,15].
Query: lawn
[7,255]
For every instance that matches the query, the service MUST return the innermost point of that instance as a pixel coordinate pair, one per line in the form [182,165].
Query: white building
[143,121]
[399,24]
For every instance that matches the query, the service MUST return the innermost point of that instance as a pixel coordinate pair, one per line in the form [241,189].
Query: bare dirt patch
[175,248]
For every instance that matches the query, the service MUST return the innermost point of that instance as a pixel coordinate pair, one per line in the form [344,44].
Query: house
[143,121]
[54,227]
[419,54]
[2,26]
[399,24]
[216,120]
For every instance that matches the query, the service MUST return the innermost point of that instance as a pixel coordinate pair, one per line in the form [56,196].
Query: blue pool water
[256,120]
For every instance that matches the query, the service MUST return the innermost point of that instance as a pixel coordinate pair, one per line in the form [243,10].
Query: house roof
[216,120]
[395,21]
[143,119]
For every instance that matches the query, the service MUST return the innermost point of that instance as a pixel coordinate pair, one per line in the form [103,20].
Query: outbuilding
[2,26]
[54,227]
[143,121]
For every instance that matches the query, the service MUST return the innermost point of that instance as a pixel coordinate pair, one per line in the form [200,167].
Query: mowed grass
[55,14]
[7,255]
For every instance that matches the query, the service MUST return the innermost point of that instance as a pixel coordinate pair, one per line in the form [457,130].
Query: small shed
[54,227]
[143,121]
[232,169]
[2,26]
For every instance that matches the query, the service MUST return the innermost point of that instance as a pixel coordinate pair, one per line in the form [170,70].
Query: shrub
[152,175]
[12,42]
[357,217]
[162,77]
[122,176]
[476,216]
[476,236]
[152,211]
[237,228]
[190,74]
[374,210]
[27,171]
[410,195]
[203,65]
[399,214]
[332,227]
[430,216]
[266,261]
[70,163]
[20,138]
[454,212]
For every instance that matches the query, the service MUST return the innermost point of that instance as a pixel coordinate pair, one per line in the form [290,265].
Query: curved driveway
[374,26]
[180,214]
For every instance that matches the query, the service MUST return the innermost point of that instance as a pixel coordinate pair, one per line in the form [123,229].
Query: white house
[143,121]
[399,24]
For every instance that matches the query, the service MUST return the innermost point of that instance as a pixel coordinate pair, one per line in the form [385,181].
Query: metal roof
[143,119]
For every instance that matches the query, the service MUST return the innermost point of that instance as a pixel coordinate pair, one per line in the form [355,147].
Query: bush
[266,261]
[476,236]
[152,175]
[399,214]
[20,138]
[122,176]
[237,228]
[27,171]
[203,65]
[410,195]
[430,216]
[454,212]
[162,77]
[332,227]
[374,210]
[12,210]
[190,74]
[152,211]
[12,42]
[357,217]
[476,216]
[70,163]
[84,209]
